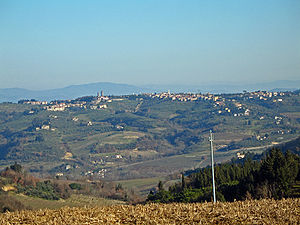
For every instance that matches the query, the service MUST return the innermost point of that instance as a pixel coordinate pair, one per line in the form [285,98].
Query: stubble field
[286,211]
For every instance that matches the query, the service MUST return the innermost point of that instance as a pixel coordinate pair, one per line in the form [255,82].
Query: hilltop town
[224,101]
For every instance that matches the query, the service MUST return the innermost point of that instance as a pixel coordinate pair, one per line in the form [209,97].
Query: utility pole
[211,139]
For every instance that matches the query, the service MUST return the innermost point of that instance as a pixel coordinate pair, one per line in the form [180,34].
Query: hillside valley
[142,136]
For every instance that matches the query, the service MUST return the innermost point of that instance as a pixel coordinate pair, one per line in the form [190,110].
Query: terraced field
[286,211]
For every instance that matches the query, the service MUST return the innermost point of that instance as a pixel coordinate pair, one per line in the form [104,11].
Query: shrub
[75,186]
[9,203]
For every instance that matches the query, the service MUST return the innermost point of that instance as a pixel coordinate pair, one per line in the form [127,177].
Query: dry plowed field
[285,211]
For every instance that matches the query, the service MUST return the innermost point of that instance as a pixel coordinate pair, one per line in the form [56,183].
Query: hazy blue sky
[55,43]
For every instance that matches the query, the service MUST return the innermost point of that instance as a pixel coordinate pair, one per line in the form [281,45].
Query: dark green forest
[275,175]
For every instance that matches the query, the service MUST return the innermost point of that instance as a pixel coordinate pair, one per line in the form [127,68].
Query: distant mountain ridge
[70,92]
[218,88]
[75,91]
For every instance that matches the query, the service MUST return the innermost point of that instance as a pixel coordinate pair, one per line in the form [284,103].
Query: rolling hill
[139,136]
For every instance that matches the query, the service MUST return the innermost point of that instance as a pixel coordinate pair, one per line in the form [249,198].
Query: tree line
[273,176]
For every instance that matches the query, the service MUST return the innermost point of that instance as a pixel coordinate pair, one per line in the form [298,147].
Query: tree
[279,172]
[183,184]
[160,186]
[16,167]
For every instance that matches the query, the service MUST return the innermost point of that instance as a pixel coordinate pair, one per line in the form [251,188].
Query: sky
[53,44]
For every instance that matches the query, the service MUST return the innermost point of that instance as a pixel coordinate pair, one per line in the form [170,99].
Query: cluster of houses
[220,101]
[100,173]
[98,103]
[262,95]
[183,97]
[278,119]
[61,106]
[32,102]
[266,95]
[44,127]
